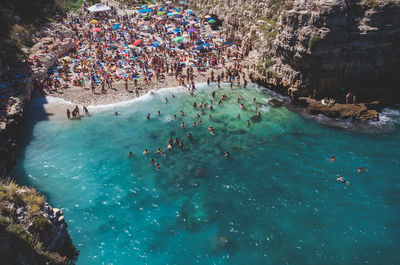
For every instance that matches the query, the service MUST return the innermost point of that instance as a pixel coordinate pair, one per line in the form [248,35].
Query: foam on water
[274,201]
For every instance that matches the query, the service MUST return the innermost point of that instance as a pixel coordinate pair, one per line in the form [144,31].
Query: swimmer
[213,94]
[248,123]
[181,112]
[165,100]
[174,117]
[198,115]
[130,154]
[362,169]
[176,141]
[116,113]
[158,166]
[210,117]
[151,93]
[148,116]
[146,152]
[181,145]
[201,104]
[242,106]
[254,100]
[238,116]
[153,161]
[194,105]
[170,140]
[173,95]
[183,124]
[210,129]
[194,124]
[202,112]
[169,147]
[158,112]
[259,114]
[211,107]
[339,178]
[333,158]
[226,155]
[189,136]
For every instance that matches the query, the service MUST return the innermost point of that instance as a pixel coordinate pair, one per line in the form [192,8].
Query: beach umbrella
[94,21]
[96,29]
[168,2]
[207,44]
[199,42]
[156,44]
[191,30]
[182,3]
[137,42]
[211,21]
[200,48]
[145,10]
[161,13]
[116,26]
[177,30]
[178,39]
[170,14]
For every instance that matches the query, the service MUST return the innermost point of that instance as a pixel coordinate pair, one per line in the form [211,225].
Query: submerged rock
[275,102]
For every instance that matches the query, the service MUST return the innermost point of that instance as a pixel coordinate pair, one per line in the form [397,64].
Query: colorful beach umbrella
[191,30]
[116,26]
[145,10]
[137,42]
[94,21]
[178,39]
[176,30]
[212,21]
[96,29]
[161,13]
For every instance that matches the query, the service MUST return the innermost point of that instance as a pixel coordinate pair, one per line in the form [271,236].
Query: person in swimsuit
[226,155]
[148,116]
[183,124]
[339,178]
[248,123]
[362,169]
[146,152]
[333,158]
[130,154]
[165,100]
[158,166]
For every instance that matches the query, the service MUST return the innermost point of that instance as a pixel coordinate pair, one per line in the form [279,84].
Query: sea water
[274,201]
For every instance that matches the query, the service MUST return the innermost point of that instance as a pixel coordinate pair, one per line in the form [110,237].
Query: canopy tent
[98,8]
[145,10]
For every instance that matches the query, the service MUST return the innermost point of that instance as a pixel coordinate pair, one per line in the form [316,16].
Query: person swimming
[116,113]
[242,106]
[333,158]
[153,161]
[169,147]
[130,154]
[146,152]
[210,117]
[170,140]
[176,141]
[148,116]
[238,116]
[194,105]
[174,116]
[181,112]
[183,124]
[248,123]
[254,100]
[226,155]
[158,112]
[339,178]
[189,136]
[194,124]
[165,100]
[158,166]
[362,169]
[181,145]
[259,114]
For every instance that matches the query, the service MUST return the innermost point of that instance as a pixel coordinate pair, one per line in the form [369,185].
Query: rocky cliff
[31,231]
[333,46]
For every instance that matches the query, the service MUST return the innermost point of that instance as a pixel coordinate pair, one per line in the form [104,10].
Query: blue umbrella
[200,48]
[177,30]
[116,26]
[199,42]
[207,44]
[182,3]
[156,44]
[145,10]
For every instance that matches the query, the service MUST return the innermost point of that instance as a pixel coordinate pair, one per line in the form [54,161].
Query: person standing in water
[68,114]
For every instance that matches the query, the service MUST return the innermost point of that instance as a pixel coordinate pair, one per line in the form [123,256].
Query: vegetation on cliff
[26,229]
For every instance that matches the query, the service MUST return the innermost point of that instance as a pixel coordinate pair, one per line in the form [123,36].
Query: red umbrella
[96,29]
[137,42]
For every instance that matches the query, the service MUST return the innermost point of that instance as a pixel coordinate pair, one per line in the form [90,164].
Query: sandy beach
[72,94]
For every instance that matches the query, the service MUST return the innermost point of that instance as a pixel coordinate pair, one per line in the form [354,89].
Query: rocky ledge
[359,111]
[31,231]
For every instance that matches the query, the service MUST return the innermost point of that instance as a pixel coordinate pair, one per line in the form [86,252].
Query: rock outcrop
[296,46]
[31,231]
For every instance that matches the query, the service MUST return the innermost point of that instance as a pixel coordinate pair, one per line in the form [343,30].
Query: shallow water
[275,201]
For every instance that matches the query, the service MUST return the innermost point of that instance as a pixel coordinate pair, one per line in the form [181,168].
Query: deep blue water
[274,201]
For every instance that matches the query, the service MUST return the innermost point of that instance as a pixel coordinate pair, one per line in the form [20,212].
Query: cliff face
[31,231]
[333,46]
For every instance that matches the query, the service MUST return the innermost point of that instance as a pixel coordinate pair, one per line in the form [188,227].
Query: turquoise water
[274,201]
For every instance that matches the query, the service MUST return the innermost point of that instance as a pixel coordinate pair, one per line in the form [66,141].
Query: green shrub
[41,224]
[314,42]
[4,221]
[372,3]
